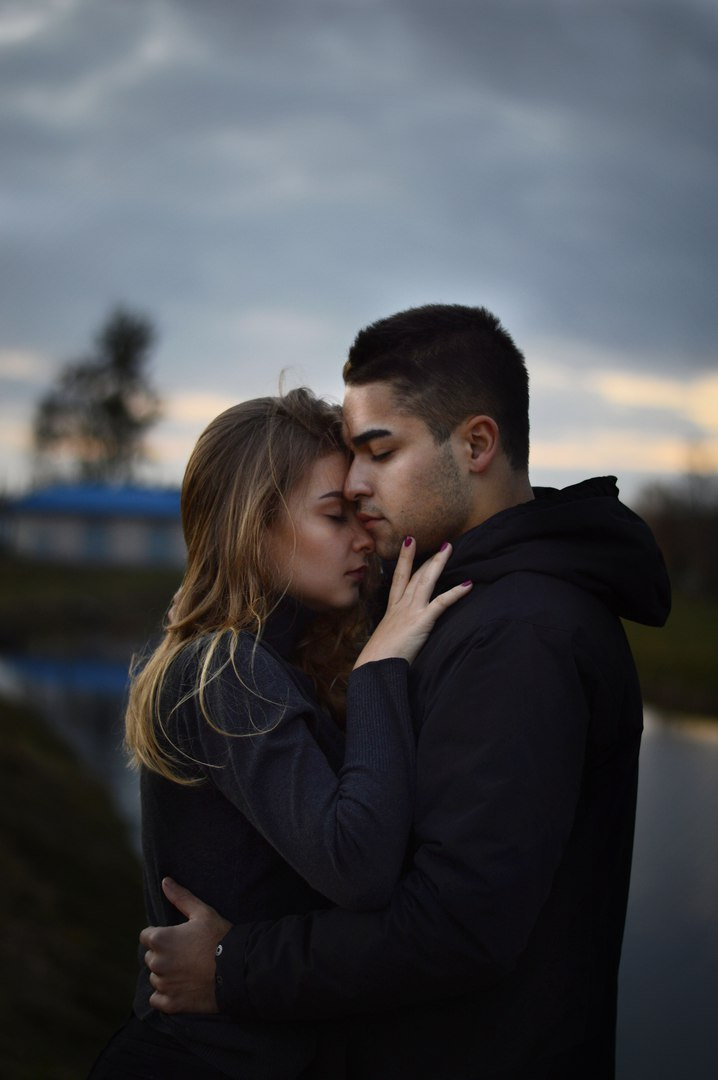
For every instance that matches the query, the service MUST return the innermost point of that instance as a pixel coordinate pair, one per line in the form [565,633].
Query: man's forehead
[370,410]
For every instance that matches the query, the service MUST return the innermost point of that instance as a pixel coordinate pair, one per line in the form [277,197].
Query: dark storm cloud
[564,153]
[590,159]
[269,165]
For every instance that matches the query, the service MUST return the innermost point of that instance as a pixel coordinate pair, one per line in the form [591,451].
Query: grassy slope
[70,908]
[80,608]
[677,664]
[71,904]
[68,608]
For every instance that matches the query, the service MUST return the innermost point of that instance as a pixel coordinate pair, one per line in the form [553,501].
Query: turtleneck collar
[286,624]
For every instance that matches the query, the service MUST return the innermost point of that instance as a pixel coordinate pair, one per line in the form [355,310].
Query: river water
[668,1008]
[668,1012]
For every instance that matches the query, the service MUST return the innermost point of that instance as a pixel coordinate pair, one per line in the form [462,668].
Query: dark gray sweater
[291,815]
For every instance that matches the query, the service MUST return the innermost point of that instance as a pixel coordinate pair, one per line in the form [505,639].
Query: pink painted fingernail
[466,584]
[408,540]
[444,546]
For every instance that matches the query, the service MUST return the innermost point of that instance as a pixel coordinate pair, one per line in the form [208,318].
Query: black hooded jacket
[498,954]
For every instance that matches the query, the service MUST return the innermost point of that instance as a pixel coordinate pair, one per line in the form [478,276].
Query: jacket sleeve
[500,760]
[345,833]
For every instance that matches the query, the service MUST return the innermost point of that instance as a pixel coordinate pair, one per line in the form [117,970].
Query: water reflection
[669,980]
[83,701]
[669,985]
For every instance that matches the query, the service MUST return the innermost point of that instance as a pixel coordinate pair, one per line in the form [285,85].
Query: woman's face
[319,547]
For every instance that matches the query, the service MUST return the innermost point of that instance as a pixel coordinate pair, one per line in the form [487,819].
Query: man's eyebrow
[367,436]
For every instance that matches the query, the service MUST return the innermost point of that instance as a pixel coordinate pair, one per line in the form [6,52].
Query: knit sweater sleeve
[344,832]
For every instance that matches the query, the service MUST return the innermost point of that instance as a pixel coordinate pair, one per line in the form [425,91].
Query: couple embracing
[390,838]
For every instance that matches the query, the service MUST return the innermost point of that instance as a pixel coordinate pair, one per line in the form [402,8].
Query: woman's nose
[362,540]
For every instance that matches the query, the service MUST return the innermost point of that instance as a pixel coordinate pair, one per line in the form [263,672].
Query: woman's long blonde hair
[238,479]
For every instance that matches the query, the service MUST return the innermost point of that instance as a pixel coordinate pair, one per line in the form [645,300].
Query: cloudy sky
[264,177]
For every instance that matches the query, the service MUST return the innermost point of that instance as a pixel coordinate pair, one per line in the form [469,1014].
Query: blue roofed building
[96,523]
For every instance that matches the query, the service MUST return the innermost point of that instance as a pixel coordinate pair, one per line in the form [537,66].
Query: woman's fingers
[411,613]
[446,599]
[416,598]
[402,570]
[419,586]
[411,593]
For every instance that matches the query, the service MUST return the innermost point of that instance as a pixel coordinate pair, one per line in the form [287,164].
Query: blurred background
[198,199]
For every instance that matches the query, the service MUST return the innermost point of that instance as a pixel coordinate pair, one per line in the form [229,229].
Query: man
[498,955]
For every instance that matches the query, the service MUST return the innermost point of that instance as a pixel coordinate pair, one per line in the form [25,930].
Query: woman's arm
[344,832]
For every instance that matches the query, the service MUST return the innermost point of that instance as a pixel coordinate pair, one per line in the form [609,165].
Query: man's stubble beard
[440,513]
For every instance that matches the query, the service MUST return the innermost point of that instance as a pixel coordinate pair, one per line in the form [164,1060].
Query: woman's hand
[410,612]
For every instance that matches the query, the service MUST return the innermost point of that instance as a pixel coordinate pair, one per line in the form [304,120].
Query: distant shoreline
[112,612]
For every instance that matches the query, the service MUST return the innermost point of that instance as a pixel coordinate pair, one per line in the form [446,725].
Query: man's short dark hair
[446,362]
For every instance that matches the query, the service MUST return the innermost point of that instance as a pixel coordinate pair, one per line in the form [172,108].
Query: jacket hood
[581,534]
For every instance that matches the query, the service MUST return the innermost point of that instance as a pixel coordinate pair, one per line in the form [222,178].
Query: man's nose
[356,483]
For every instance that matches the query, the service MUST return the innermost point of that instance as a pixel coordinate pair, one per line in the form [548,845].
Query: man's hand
[181,958]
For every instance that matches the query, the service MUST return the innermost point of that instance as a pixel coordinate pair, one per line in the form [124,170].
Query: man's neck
[512,489]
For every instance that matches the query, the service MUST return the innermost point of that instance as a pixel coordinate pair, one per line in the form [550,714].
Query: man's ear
[479,437]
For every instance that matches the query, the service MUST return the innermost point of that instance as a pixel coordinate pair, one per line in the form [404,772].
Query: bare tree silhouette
[92,424]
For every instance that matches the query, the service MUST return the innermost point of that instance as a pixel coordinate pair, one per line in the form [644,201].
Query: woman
[251,794]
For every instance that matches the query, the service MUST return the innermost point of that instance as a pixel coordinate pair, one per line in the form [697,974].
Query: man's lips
[368,519]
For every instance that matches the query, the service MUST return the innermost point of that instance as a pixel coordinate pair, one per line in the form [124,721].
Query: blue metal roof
[69,673]
[102,500]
